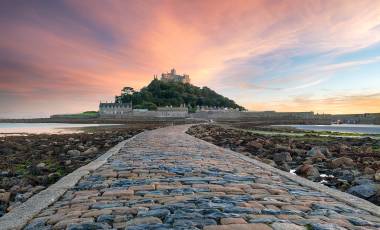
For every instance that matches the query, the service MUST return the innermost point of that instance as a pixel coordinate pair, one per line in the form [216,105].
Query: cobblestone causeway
[166,179]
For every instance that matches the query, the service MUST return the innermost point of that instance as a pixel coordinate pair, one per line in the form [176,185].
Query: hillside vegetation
[163,93]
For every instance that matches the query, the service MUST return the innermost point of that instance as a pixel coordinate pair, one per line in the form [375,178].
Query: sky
[292,55]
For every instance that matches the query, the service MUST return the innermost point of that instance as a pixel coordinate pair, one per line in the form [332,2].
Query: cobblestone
[165,179]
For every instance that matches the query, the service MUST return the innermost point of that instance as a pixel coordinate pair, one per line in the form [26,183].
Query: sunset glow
[66,56]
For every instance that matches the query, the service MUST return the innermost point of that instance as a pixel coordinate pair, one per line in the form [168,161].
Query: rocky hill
[166,93]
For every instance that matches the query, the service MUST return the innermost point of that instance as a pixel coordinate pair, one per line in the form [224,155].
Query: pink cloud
[98,48]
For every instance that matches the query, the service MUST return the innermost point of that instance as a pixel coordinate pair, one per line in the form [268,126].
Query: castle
[173,76]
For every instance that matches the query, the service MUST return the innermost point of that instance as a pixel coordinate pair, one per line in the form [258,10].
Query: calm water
[36,128]
[344,128]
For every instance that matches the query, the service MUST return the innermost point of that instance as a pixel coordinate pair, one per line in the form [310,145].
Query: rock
[342,162]
[191,223]
[287,226]
[68,162]
[316,155]
[4,173]
[88,226]
[362,180]
[144,220]
[364,191]
[37,189]
[238,227]
[105,218]
[22,197]
[377,175]
[317,226]
[369,171]
[53,176]
[37,224]
[308,171]
[92,150]
[255,144]
[282,148]
[269,162]
[284,167]
[225,221]
[160,213]
[314,151]
[343,149]
[318,151]
[5,197]
[282,157]
[41,165]
[74,152]
[346,175]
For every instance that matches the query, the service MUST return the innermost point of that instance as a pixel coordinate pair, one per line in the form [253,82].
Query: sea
[7,129]
[343,128]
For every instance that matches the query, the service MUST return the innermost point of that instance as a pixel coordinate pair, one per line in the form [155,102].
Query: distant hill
[166,93]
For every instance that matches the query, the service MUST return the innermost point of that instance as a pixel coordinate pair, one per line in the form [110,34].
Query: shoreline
[137,120]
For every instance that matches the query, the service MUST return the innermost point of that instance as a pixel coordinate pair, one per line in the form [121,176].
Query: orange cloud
[89,49]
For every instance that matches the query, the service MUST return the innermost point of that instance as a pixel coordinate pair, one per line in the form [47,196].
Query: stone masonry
[165,179]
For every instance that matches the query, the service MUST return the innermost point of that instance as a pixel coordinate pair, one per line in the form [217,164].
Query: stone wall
[149,114]
[243,115]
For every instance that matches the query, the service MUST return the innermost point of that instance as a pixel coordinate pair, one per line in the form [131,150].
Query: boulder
[5,197]
[362,180]
[364,191]
[370,171]
[342,162]
[282,157]
[318,157]
[343,149]
[318,153]
[377,175]
[92,150]
[308,171]
[346,175]
[73,152]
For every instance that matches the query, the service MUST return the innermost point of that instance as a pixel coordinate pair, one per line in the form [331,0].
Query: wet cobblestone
[165,179]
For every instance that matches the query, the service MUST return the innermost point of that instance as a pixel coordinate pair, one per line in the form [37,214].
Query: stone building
[173,76]
[114,109]
[125,110]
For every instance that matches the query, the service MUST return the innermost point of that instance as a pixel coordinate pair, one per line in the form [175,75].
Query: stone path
[166,179]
